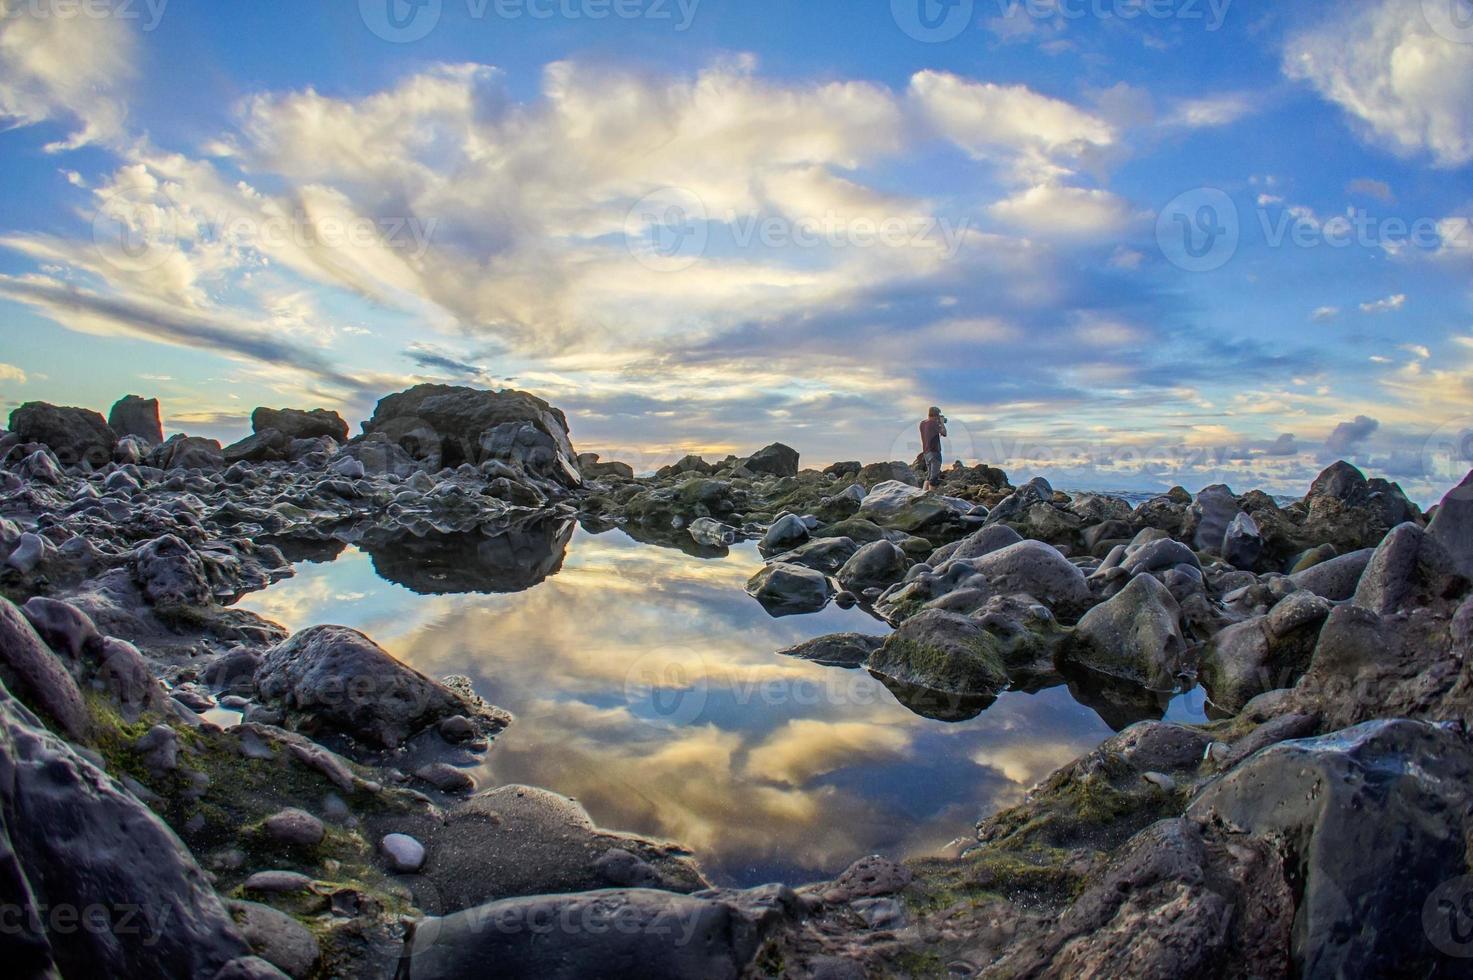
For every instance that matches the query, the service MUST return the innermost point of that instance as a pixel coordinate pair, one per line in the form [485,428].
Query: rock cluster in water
[1321,825]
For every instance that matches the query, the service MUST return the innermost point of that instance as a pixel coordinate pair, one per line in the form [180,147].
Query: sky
[1123,243]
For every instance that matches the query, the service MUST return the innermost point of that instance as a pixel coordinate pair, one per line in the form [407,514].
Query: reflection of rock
[936,705]
[1119,703]
[493,558]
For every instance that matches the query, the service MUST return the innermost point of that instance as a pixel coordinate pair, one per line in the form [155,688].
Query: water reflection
[646,685]
[492,558]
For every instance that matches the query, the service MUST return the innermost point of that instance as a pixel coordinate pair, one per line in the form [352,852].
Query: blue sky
[1125,243]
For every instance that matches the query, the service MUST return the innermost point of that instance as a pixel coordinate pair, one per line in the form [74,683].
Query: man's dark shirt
[931,436]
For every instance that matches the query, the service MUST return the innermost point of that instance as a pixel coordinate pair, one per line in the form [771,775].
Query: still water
[646,685]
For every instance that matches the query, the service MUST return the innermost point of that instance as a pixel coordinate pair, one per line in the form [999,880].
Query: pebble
[457,728]
[445,777]
[278,882]
[296,827]
[405,854]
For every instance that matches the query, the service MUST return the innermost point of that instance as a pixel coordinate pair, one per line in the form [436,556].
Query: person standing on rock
[932,429]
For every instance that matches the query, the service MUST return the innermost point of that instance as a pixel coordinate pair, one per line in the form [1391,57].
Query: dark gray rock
[1336,578]
[1210,516]
[297,424]
[1242,542]
[773,460]
[1135,636]
[1373,819]
[1452,525]
[37,676]
[877,565]
[992,538]
[1409,567]
[265,446]
[1038,570]
[836,649]
[170,573]
[182,452]
[336,679]
[138,417]
[277,938]
[827,555]
[74,435]
[784,588]
[786,533]
[945,652]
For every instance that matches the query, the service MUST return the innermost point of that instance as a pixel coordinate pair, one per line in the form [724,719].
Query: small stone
[278,882]
[1161,780]
[296,827]
[445,777]
[405,854]
[457,728]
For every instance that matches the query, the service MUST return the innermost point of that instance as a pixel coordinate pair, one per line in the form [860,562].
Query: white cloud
[9,372]
[54,67]
[1049,210]
[1387,305]
[1211,111]
[1325,313]
[1383,64]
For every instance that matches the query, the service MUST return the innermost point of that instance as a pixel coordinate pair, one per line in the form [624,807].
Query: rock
[40,467]
[876,473]
[30,670]
[444,426]
[446,778]
[904,507]
[277,938]
[67,630]
[1452,526]
[75,838]
[773,460]
[711,533]
[871,877]
[265,446]
[296,828]
[277,882]
[993,537]
[783,588]
[1209,517]
[1135,636]
[405,854]
[620,933]
[827,555]
[1265,653]
[457,729]
[297,424]
[845,470]
[249,968]
[30,552]
[624,870]
[1349,511]
[1372,819]
[1095,508]
[137,417]
[338,679]
[1335,579]
[1242,543]
[170,573]
[944,652]
[75,435]
[1038,570]
[787,532]
[131,451]
[1408,567]
[1157,555]
[688,464]
[836,649]
[182,452]
[877,565]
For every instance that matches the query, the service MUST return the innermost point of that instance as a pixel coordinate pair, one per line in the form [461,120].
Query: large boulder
[181,452]
[1347,510]
[295,423]
[1135,636]
[1452,525]
[1372,822]
[74,435]
[72,838]
[1265,653]
[1040,571]
[773,460]
[1210,515]
[906,508]
[877,565]
[171,573]
[137,417]
[944,652]
[1408,568]
[1336,578]
[993,537]
[445,426]
[336,679]
[37,676]
[260,447]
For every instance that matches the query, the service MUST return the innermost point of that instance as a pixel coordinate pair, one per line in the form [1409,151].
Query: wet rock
[783,588]
[182,452]
[787,532]
[137,417]
[632,933]
[297,424]
[1157,554]
[1135,636]
[30,670]
[773,460]
[1040,571]
[249,968]
[296,828]
[170,573]
[877,565]
[80,840]
[1209,517]
[277,938]
[1264,653]
[68,631]
[624,870]
[74,435]
[870,877]
[826,555]
[945,652]
[446,778]
[836,649]
[277,882]
[992,538]
[1242,542]
[1452,526]
[40,467]
[338,679]
[1408,567]
[1335,578]
[1373,820]
[904,507]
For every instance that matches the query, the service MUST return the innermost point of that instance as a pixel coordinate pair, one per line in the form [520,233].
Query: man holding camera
[932,429]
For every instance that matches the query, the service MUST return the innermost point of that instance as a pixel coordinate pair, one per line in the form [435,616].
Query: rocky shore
[1320,825]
